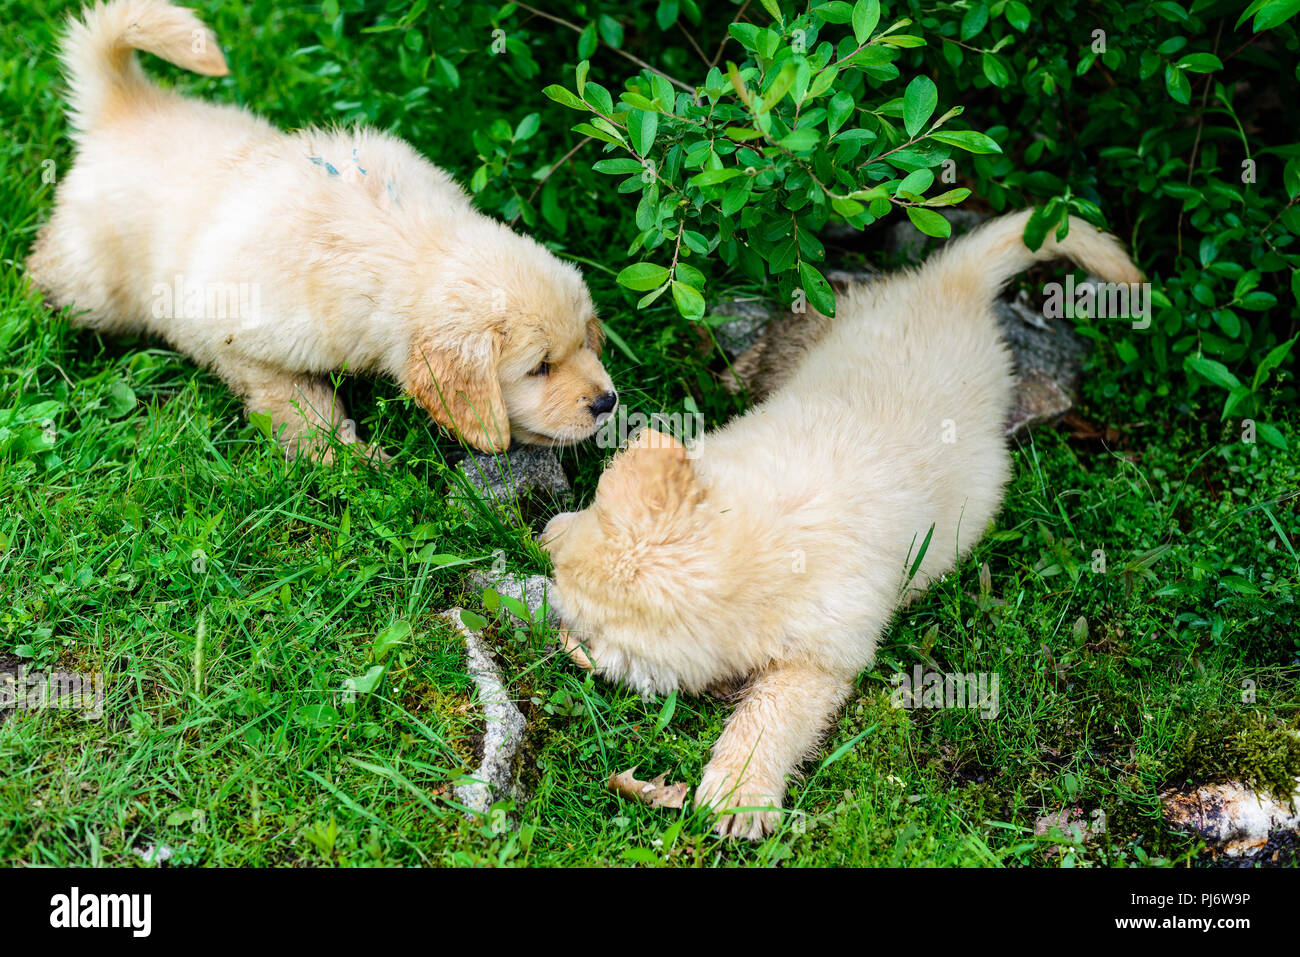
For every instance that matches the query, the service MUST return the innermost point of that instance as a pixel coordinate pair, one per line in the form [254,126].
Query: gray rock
[1234,819]
[494,780]
[907,241]
[532,590]
[523,472]
[1049,362]
[741,322]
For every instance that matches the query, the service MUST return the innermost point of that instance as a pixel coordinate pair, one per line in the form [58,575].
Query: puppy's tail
[987,257]
[98,54]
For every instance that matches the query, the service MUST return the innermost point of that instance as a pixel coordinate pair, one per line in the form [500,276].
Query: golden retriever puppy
[277,258]
[777,549]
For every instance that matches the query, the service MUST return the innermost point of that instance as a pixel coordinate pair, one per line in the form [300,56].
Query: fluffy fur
[777,550]
[276,258]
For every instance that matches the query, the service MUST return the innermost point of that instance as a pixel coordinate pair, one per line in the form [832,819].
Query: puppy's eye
[543,368]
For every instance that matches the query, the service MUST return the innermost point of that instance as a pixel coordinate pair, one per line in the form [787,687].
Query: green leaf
[260,421]
[388,639]
[364,684]
[587,41]
[1215,372]
[472,621]
[611,31]
[820,295]
[1017,15]
[1275,13]
[746,34]
[780,86]
[1201,63]
[598,99]
[836,11]
[838,110]
[823,81]
[1271,361]
[641,129]
[802,139]
[974,20]
[1176,82]
[995,69]
[527,127]
[846,747]
[666,712]
[866,15]
[951,198]
[925,544]
[1042,222]
[689,301]
[929,222]
[617,166]
[1271,435]
[586,129]
[915,182]
[848,208]
[642,276]
[562,96]
[968,140]
[666,14]
[712,177]
[919,101]
[121,399]
[736,196]
[904,40]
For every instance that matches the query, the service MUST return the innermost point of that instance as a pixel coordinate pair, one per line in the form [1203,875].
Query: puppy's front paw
[718,791]
[575,649]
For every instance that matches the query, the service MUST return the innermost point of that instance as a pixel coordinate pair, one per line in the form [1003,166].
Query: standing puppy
[277,258]
[779,553]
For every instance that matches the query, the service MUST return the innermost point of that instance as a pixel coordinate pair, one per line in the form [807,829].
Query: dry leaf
[653,793]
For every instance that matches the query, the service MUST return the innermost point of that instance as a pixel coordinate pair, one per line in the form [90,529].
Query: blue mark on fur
[356,162]
[329,167]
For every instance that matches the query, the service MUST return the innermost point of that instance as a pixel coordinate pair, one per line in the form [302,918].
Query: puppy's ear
[457,384]
[595,335]
[650,490]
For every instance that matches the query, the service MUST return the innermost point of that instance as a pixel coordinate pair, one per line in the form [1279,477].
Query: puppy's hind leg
[304,411]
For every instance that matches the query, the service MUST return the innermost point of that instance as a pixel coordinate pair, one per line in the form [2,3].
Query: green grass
[154,506]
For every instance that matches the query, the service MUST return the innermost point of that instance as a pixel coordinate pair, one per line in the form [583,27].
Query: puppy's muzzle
[603,406]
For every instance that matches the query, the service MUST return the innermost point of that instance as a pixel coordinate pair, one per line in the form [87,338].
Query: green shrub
[1172,125]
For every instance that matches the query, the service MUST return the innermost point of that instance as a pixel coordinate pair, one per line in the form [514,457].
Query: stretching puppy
[778,550]
[275,259]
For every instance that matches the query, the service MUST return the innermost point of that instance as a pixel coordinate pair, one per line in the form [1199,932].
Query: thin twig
[727,36]
[691,40]
[551,172]
[1196,145]
[623,53]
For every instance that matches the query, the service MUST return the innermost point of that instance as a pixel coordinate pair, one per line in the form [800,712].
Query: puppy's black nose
[604,403]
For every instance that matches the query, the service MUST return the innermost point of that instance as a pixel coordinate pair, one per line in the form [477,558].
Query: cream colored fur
[778,550]
[359,253]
